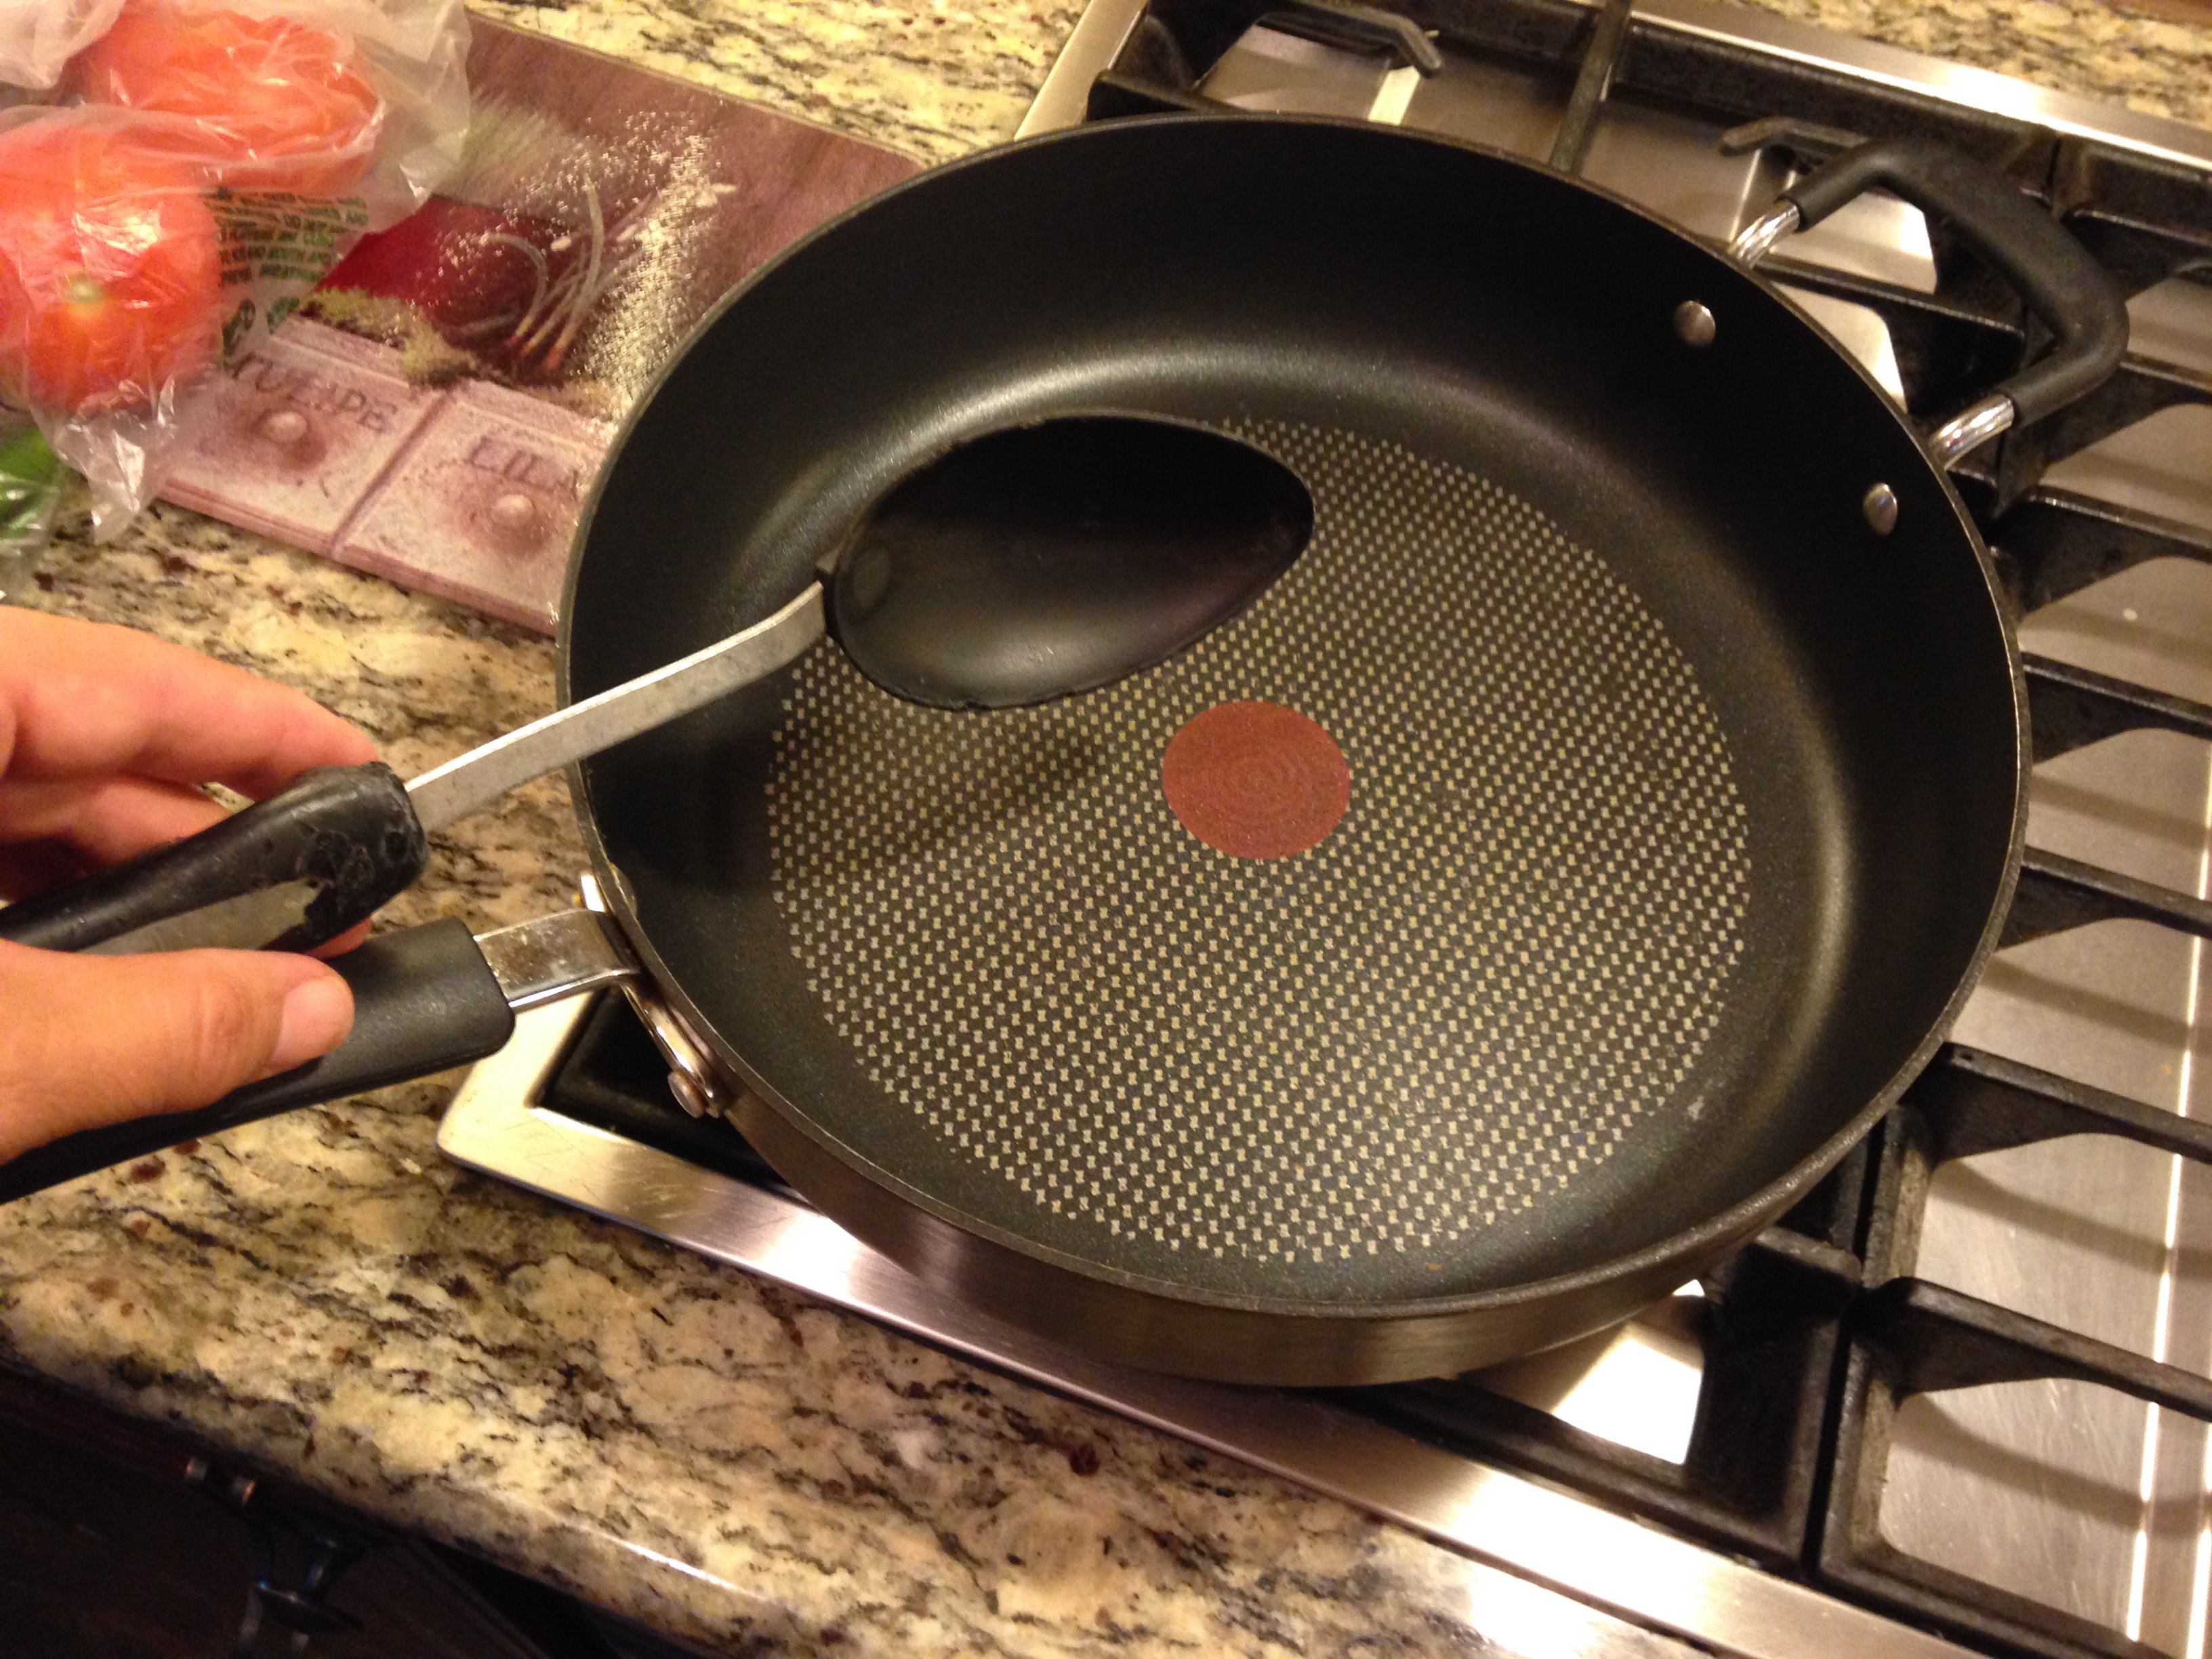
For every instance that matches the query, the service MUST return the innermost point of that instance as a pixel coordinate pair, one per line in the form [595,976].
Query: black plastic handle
[423,1000]
[2053,273]
[338,842]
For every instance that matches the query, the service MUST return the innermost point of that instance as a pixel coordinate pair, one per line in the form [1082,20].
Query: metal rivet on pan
[1695,324]
[1879,506]
[689,1096]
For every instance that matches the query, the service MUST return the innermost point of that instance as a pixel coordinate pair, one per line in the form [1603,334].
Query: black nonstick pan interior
[1680,800]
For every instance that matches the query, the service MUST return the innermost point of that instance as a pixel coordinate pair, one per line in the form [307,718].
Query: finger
[82,699]
[107,820]
[89,1040]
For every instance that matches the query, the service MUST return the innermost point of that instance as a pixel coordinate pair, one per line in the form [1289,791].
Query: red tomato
[289,105]
[111,285]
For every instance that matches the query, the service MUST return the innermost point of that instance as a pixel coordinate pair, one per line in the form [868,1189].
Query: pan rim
[1690,1248]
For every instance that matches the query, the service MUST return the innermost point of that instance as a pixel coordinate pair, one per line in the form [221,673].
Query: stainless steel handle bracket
[699,1087]
[549,957]
[1757,239]
[1971,428]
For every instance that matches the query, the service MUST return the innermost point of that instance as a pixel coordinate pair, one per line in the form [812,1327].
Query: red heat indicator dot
[1255,780]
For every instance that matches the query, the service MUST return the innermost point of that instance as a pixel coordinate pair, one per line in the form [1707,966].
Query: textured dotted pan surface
[1510,953]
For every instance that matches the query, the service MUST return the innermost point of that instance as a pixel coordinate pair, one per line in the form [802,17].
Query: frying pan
[1685,738]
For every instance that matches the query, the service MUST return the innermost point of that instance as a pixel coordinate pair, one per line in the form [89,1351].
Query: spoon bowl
[1039,561]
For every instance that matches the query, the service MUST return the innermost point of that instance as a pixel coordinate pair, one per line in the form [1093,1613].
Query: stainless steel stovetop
[2070,1493]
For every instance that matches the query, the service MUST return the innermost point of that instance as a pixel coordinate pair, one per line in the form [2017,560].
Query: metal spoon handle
[474,780]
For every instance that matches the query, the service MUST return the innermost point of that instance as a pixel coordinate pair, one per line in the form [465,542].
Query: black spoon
[1027,564]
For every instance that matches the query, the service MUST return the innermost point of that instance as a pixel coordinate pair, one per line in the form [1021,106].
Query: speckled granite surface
[932,79]
[323,1295]
[2071,45]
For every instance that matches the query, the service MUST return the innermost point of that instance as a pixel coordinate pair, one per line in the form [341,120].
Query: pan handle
[424,1000]
[2061,284]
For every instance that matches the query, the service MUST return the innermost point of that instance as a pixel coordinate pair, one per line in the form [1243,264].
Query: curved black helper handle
[2056,277]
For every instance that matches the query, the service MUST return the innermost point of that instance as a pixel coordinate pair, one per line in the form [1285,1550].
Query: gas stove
[1961,1387]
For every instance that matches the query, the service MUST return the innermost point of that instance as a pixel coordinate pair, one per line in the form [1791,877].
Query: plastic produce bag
[208,161]
[38,37]
[355,100]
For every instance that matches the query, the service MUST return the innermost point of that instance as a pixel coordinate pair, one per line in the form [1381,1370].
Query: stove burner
[1255,780]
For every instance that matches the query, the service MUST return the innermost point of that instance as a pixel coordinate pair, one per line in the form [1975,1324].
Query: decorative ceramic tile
[295,435]
[481,509]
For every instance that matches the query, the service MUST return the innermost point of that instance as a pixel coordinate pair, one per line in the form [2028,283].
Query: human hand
[104,736]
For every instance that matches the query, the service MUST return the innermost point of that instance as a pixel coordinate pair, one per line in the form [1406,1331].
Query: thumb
[90,1040]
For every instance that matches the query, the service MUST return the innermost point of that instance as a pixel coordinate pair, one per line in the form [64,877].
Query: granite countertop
[325,1297]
